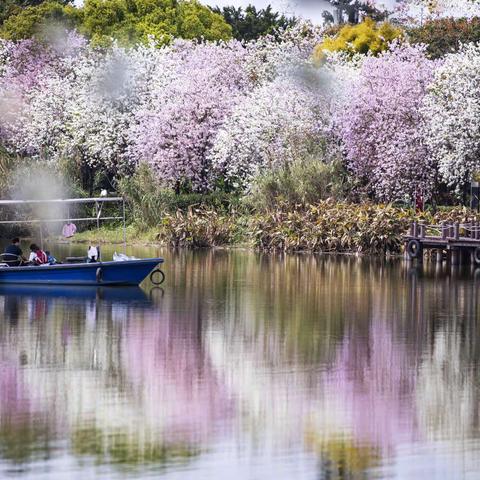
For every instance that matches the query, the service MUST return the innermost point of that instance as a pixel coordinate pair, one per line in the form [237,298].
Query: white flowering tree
[83,108]
[452,108]
[270,56]
[418,11]
[274,125]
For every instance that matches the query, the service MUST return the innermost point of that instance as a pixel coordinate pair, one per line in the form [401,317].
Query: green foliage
[195,21]
[39,20]
[131,21]
[445,35]
[7,166]
[251,24]
[331,227]
[11,7]
[149,201]
[365,37]
[303,182]
[127,21]
[199,227]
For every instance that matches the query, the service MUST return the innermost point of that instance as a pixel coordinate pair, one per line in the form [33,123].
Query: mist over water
[38,182]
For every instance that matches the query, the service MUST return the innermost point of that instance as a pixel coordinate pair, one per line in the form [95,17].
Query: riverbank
[328,226]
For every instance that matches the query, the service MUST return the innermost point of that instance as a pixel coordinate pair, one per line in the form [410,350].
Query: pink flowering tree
[21,66]
[381,127]
[175,131]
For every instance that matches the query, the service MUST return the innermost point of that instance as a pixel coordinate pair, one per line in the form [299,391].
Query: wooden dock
[454,242]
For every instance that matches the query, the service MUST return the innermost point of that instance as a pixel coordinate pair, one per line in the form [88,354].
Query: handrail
[97,218]
[62,200]
[54,220]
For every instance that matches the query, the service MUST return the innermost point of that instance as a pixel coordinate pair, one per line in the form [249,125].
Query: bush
[200,227]
[332,227]
[149,201]
[445,35]
[303,182]
[342,227]
[365,37]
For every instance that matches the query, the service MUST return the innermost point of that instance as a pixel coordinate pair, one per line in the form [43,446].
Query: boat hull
[128,272]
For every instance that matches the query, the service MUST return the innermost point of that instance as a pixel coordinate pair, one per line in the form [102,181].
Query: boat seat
[76,260]
[10,259]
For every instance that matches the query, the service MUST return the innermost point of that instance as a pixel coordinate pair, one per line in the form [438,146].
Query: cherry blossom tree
[82,108]
[271,55]
[21,65]
[418,11]
[274,125]
[175,131]
[381,126]
[452,110]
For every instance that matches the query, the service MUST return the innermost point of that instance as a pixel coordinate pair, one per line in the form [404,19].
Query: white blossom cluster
[419,11]
[452,108]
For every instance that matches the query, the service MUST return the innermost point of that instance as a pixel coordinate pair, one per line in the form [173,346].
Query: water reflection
[246,366]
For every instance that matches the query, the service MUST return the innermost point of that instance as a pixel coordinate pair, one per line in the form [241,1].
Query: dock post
[449,256]
[415,229]
[444,230]
[464,257]
[455,256]
[412,229]
[456,231]
[422,230]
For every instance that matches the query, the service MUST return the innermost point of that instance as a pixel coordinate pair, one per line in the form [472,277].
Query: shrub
[331,227]
[149,201]
[199,227]
[365,37]
[303,182]
[445,35]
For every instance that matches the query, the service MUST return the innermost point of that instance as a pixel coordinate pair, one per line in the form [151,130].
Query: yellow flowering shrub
[365,37]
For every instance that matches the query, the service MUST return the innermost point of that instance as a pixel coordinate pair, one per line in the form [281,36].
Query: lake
[245,366]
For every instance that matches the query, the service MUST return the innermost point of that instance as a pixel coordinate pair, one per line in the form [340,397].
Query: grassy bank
[327,226]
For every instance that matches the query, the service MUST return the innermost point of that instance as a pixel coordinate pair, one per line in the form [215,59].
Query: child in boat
[51,259]
[37,255]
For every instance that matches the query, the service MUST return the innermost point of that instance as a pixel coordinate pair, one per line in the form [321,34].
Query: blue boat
[127,272]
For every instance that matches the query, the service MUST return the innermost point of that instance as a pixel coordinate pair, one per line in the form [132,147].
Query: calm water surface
[245,367]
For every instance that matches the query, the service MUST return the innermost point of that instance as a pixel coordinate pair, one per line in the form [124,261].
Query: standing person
[37,255]
[15,250]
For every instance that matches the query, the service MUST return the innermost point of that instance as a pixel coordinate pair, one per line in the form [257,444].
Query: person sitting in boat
[13,254]
[37,255]
[51,259]
[93,254]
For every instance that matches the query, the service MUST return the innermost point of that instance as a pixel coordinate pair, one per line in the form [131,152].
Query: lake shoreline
[326,227]
[245,247]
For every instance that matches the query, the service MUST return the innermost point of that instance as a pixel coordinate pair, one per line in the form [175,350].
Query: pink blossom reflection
[373,381]
[173,378]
